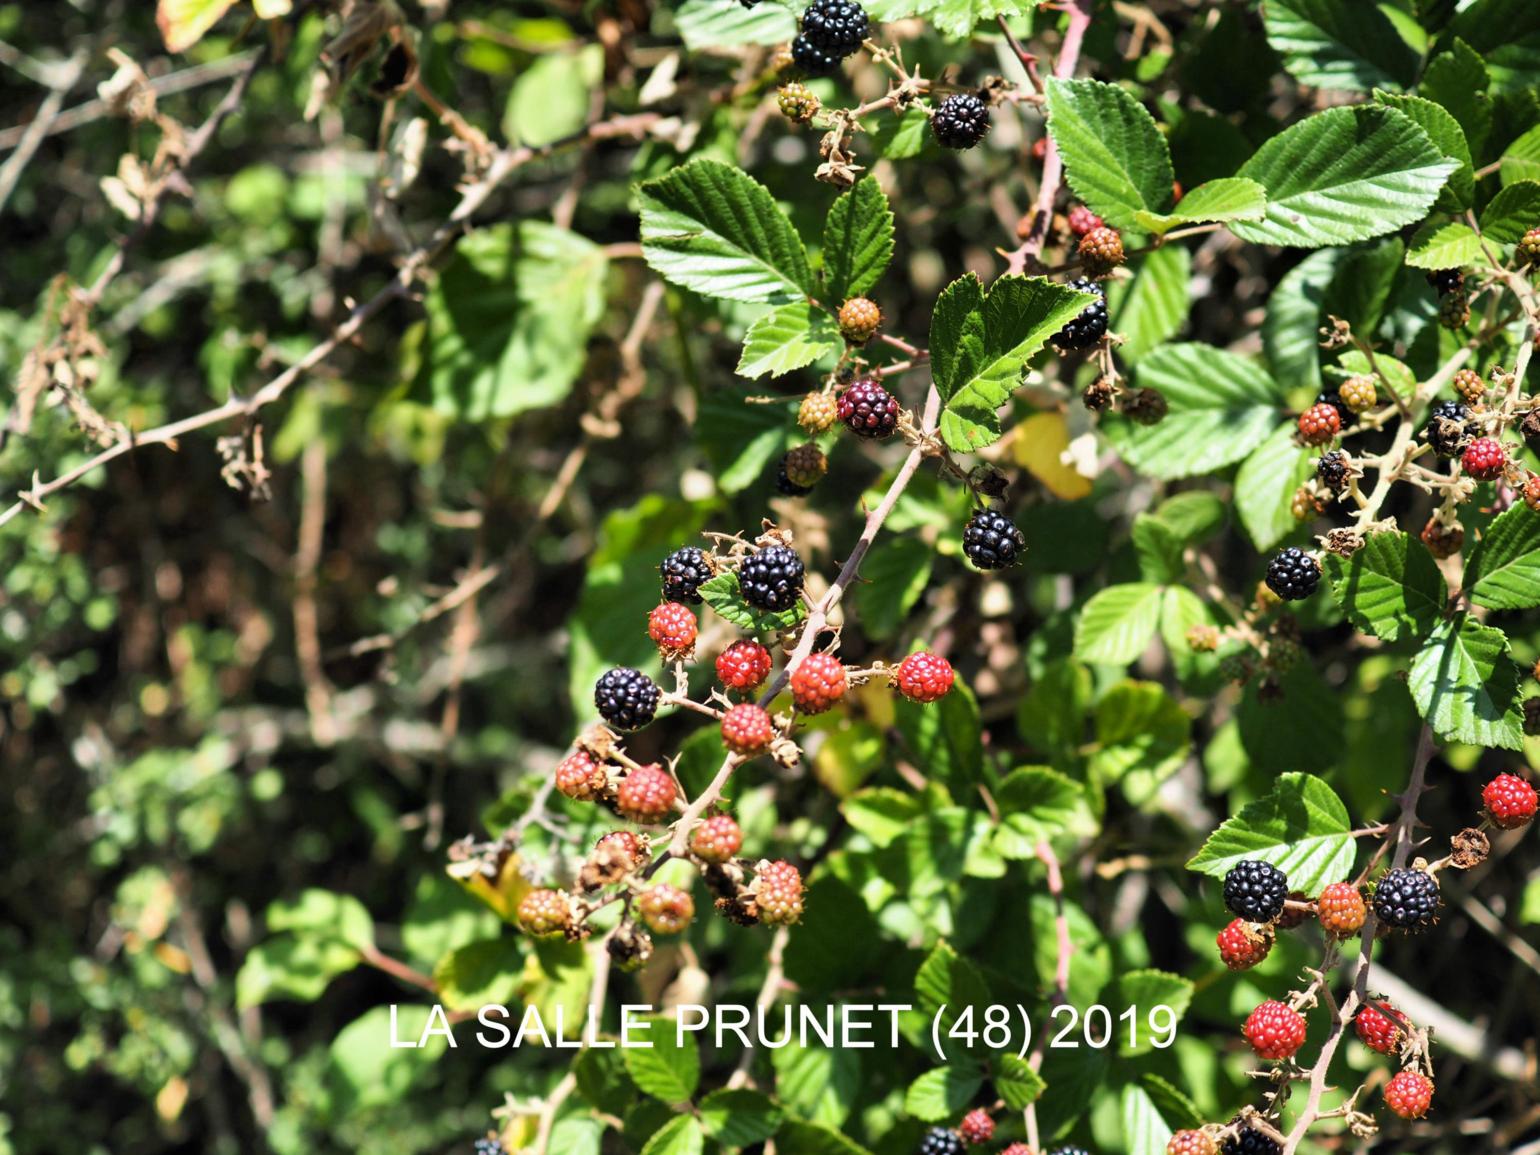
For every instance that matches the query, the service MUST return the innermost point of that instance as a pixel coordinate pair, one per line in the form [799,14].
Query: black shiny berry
[1448,428]
[627,699]
[1069,1151]
[831,31]
[1446,280]
[490,1146]
[1249,1142]
[960,121]
[940,1141]
[868,410]
[1332,470]
[1256,891]
[1293,574]
[1406,899]
[684,572]
[771,578]
[991,540]
[1091,324]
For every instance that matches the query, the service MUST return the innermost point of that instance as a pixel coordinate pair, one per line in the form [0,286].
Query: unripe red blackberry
[923,677]
[818,683]
[628,842]
[672,627]
[1484,459]
[1242,945]
[977,1127]
[777,892]
[1319,424]
[1469,385]
[717,839]
[1100,251]
[798,103]
[1532,491]
[1528,251]
[743,666]
[860,318]
[580,778]
[771,578]
[747,729]
[646,795]
[1509,801]
[868,410]
[1407,899]
[1341,910]
[1359,394]
[817,413]
[960,121]
[1274,1030]
[805,465]
[1380,1031]
[545,912]
[1409,1094]
[1192,1143]
[1443,540]
[665,909]
[1082,220]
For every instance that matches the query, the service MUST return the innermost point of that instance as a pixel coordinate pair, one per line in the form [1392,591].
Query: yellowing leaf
[1040,442]
[182,23]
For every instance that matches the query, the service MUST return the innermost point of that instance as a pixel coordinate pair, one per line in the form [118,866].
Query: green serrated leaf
[893,578]
[1458,80]
[1338,44]
[1142,734]
[1035,804]
[1144,1131]
[1390,588]
[1152,308]
[721,593]
[1450,245]
[1145,990]
[1511,213]
[1301,827]
[857,242]
[479,974]
[1114,155]
[707,24]
[799,1138]
[1265,485]
[1224,200]
[741,438]
[681,1135]
[1291,329]
[714,229]
[943,1091]
[740,1117]
[1521,159]
[669,1070]
[1018,1085]
[788,337]
[980,344]
[1179,1111]
[881,813]
[1449,138]
[1504,570]
[1344,175]
[1117,624]
[1220,408]
[1467,687]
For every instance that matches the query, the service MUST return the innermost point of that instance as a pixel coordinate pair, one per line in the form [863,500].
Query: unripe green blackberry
[646,795]
[1100,251]
[859,318]
[818,413]
[805,465]
[545,912]
[1359,394]
[1454,310]
[1469,385]
[799,104]
[717,839]
[1528,251]
[777,891]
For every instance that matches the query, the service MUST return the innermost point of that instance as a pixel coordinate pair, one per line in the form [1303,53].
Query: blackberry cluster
[1293,574]
[1446,430]
[991,540]
[1256,891]
[771,578]
[684,572]
[489,1145]
[960,121]
[940,1141]
[1332,470]
[1249,1142]
[1406,899]
[831,31]
[1091,325]
[627,699]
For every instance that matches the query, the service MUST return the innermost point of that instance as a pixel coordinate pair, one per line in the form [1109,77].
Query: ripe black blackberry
[960,121]
[991,540]
[1069,1151]
[868,410]
[1256,891]
[684,572]
[1406,899]
[1293,574]
[490,1145]
[940,1141]
[1332,470]
[784,484]
[1446,280]
[627,699]
[1249,1142]
[1448,428]
[1087,328]
[771,578]
[831,31]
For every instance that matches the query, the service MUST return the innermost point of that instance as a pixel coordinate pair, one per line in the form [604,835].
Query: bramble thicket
[1023,512]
